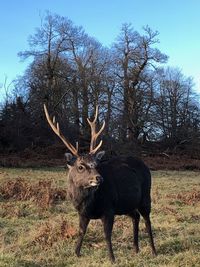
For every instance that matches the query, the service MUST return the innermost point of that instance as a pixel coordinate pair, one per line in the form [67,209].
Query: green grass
[39,233]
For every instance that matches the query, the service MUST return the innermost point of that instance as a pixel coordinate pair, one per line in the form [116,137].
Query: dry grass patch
[38,226]
[42,193]
[50,232]
[188,198]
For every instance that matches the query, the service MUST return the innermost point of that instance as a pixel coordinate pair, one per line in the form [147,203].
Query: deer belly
[128,201]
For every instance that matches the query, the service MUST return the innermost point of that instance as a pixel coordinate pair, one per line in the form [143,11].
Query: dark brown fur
[124,189]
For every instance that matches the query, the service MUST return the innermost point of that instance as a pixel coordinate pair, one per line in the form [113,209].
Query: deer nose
[99,179]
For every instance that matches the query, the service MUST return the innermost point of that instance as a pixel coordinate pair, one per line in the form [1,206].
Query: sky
[177,21]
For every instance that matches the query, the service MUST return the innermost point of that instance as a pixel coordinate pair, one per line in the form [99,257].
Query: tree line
[143,102]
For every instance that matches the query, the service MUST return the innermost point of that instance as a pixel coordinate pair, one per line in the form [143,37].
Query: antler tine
[55,127]
[77,146]
[97,148]
[94,134]
[96,113]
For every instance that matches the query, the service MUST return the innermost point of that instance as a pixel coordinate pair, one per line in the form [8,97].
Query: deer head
[82,168]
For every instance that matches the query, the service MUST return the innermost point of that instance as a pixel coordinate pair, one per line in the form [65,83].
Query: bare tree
[174,106]
[72,72]
[135,54]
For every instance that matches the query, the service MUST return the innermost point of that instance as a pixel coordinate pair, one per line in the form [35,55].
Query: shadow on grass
[171,247]
[10,262]
[23,263]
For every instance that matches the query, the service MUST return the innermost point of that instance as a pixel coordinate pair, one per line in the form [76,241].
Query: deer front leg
[83,223]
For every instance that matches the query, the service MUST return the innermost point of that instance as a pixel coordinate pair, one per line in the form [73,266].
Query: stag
[102,189]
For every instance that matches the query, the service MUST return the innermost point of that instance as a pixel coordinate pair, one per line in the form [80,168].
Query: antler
[55,127]
[94,134]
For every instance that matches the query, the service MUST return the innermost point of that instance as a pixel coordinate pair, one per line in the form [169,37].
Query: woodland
[150,109]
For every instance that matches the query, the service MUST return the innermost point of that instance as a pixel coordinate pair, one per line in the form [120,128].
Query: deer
[101,189]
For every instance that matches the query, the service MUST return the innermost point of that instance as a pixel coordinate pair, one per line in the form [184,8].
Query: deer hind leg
[135,216]
[145,212]
[83,223]
[108,221]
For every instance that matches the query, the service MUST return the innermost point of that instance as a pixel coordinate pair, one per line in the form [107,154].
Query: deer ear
[100,155]
[69,158]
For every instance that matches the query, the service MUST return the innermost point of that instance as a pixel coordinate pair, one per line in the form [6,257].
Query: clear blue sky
[178,22]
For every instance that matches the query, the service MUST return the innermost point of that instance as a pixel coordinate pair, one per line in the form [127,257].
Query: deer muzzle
[96,180]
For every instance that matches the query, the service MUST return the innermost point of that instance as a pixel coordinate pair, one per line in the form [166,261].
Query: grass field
[38,226]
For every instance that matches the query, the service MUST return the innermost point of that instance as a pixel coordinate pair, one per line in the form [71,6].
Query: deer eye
[81,168]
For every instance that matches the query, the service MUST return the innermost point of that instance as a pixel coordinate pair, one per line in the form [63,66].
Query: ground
[38,226]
